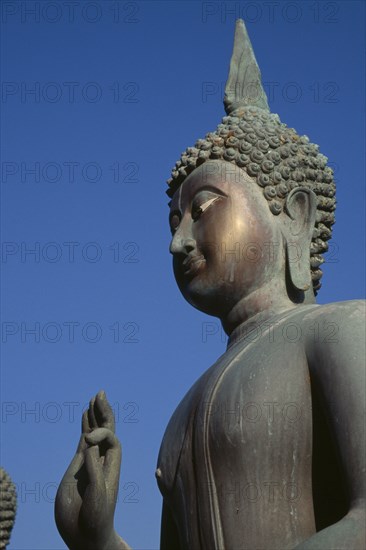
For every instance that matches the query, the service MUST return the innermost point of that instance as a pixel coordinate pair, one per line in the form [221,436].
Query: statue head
[291,178]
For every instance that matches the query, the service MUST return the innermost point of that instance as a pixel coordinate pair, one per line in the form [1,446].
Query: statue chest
[239,448]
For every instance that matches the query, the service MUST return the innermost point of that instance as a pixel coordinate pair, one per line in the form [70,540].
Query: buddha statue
[8,507]
[251,211]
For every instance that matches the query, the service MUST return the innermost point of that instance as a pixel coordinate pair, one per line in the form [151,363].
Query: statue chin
[205,300]
[212,299]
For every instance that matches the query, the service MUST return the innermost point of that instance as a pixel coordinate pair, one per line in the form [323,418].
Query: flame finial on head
[244,86]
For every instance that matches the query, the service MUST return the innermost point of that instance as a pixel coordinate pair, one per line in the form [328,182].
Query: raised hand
[86,498]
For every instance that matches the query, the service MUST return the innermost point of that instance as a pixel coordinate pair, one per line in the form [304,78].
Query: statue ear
[301,209]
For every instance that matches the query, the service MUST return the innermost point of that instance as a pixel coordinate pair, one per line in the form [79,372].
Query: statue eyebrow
[211,189]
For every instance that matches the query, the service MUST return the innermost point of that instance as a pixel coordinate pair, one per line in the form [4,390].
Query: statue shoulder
[336,340]
[347,309]
[341,323]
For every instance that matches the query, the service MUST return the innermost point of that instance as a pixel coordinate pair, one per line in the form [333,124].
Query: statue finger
[82,445]
[94,498]
[102,435]
[111,457]
[112,465]
[91,415]
[85,428]
[103,412]
[93,465]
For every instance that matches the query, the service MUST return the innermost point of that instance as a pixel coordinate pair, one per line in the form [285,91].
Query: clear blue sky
[120,89]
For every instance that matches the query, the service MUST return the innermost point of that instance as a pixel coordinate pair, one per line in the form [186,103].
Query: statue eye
[174,222]
[197,209]
[196,212]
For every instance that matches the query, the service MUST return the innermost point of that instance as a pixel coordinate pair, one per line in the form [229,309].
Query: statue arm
[169,535]
[117,543]
[346,534]
[338,369]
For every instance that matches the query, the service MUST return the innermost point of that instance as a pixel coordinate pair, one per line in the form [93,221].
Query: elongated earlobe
[301,210]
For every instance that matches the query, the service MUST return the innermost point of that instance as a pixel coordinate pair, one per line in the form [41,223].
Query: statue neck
[261,304]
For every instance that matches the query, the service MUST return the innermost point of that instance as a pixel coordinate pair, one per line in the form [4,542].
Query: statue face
[226,243]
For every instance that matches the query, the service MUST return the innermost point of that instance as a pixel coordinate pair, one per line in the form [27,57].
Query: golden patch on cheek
[238,224]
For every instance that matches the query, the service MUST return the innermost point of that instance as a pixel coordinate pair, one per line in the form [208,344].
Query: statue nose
[181,245]
[189,245]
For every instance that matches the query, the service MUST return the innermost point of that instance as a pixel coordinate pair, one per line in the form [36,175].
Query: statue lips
[192,265]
